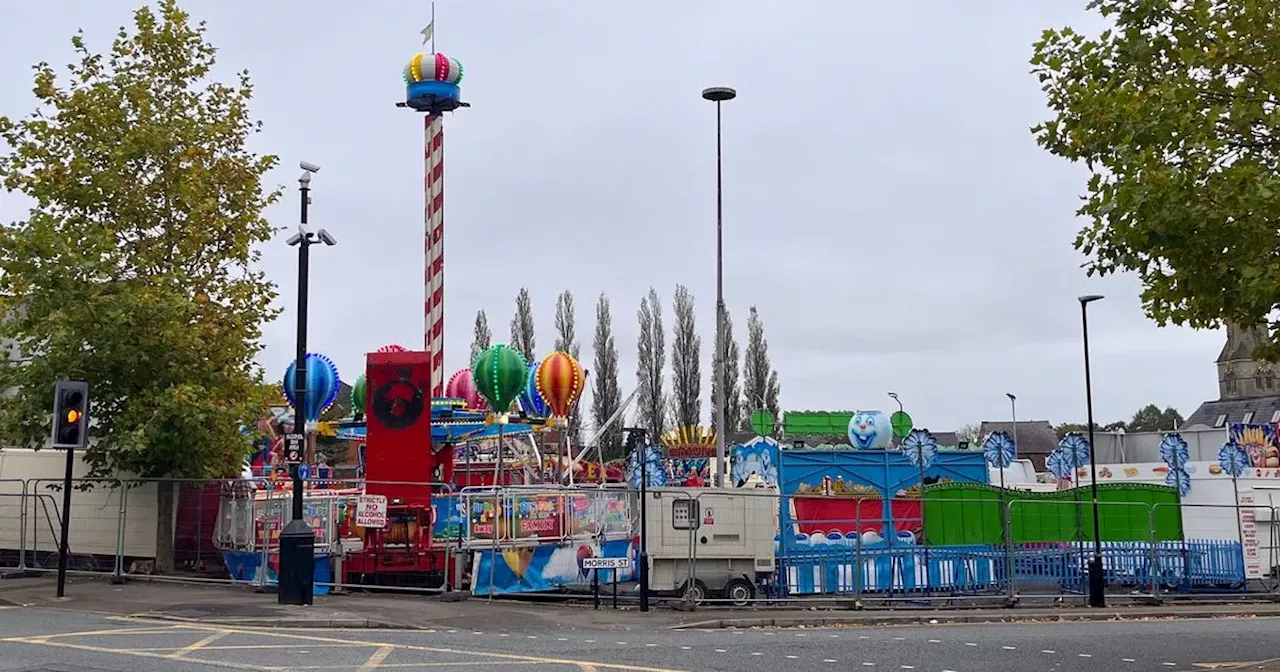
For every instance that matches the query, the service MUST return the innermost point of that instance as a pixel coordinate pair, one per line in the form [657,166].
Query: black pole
[300,368]
[641,450]
[297,540]
[721,433]
[66,522]
[1097,580]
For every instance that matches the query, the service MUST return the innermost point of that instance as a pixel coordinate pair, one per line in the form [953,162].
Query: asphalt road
[45,639]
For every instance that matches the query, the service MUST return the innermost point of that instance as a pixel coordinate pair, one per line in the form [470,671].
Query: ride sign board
[1249,536]
[606,563]
[293,444]
[371,511]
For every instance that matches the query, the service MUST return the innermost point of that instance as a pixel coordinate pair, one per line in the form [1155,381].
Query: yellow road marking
[376,659]
[44,641]
[432,649]
[198,645]
[384,666]
[236,647]
[115,631]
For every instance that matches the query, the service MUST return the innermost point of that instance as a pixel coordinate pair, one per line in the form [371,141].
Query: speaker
[399,462]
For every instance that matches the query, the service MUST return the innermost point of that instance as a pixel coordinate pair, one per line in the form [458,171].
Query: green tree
[1173,111]
[134,268]
[1150,418]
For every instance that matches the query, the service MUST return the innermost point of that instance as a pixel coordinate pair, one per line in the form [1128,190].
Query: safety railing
[1009,550]
[736,546]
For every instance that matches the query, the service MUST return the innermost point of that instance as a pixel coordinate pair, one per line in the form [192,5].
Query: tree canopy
[1173,111]
[134,268]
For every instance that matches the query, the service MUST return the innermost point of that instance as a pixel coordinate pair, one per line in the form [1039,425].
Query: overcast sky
[886,206]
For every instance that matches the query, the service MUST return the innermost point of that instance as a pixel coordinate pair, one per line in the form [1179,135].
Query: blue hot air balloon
[531,402]
[322,386]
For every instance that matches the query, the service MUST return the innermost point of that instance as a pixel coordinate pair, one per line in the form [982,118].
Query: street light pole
[1097,579]
[717,95]
[297,539]
[1013,410]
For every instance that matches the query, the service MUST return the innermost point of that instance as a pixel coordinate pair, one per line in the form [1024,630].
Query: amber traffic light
[70,413]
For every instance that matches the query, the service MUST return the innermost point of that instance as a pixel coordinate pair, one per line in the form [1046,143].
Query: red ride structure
[402,465]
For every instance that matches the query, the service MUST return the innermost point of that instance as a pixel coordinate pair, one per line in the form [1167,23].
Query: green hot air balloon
[359,392]
[500,374]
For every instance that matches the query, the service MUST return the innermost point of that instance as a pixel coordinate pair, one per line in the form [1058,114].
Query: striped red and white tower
[431,87]
[433,248]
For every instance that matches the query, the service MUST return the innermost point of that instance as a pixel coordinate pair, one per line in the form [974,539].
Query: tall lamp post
[894,437]
[717,95]
[1013,412]
[297,539]
[1097,579]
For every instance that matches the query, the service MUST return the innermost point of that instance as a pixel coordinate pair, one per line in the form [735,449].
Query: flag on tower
[429,31]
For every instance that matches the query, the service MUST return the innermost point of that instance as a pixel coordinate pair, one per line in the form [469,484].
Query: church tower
[1240,376]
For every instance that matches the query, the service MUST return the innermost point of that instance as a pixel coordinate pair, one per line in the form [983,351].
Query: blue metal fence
[835,567]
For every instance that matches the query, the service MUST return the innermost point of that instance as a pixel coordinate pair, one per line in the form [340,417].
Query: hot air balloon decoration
[531,402]
[392,348]
[500,374]
[560,380]
[461,386]
[322,388]
[359,395]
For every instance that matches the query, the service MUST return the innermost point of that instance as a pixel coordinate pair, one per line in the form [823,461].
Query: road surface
[48,639]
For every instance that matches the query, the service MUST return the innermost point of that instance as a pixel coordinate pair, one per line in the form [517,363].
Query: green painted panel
[970,513]
[800,423]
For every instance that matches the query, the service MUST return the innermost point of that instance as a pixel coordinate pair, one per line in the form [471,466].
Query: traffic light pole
[298,540]
[70,431]
[66,522]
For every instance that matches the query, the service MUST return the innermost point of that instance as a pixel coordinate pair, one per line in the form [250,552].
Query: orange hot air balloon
[560,380]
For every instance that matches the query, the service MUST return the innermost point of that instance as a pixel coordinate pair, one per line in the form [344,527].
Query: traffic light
[70,414]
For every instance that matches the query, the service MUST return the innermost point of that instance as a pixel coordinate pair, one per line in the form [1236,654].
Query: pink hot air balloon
[393,348]
[462,387]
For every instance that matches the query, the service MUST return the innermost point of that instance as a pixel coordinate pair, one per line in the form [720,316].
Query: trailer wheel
[697,593]
[739,592]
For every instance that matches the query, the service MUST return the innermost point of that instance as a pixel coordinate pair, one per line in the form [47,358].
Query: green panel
[816,422]
[970,513]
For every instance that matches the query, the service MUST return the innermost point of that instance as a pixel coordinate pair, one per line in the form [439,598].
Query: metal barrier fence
[223,531]
[739,546]
[1011,550]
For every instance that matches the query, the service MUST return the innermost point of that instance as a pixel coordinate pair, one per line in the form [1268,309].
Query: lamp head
[893,395]
[1011,396]
[1090,298]
[719,93]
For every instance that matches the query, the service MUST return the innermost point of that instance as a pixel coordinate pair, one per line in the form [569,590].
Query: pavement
[222,604]
[45,639]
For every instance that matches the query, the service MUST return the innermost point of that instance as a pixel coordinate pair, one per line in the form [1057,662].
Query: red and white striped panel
[433,249]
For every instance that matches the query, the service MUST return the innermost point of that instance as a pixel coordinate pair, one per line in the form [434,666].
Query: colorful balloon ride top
[359,395]
[500,373]
[461,386]
[531,402]
[431,83]
[560,380]
[322,387]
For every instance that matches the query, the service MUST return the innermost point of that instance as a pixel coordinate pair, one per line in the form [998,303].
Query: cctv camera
[326,237]
[309,167]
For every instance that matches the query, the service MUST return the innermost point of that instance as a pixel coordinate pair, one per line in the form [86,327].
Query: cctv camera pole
[297,540]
